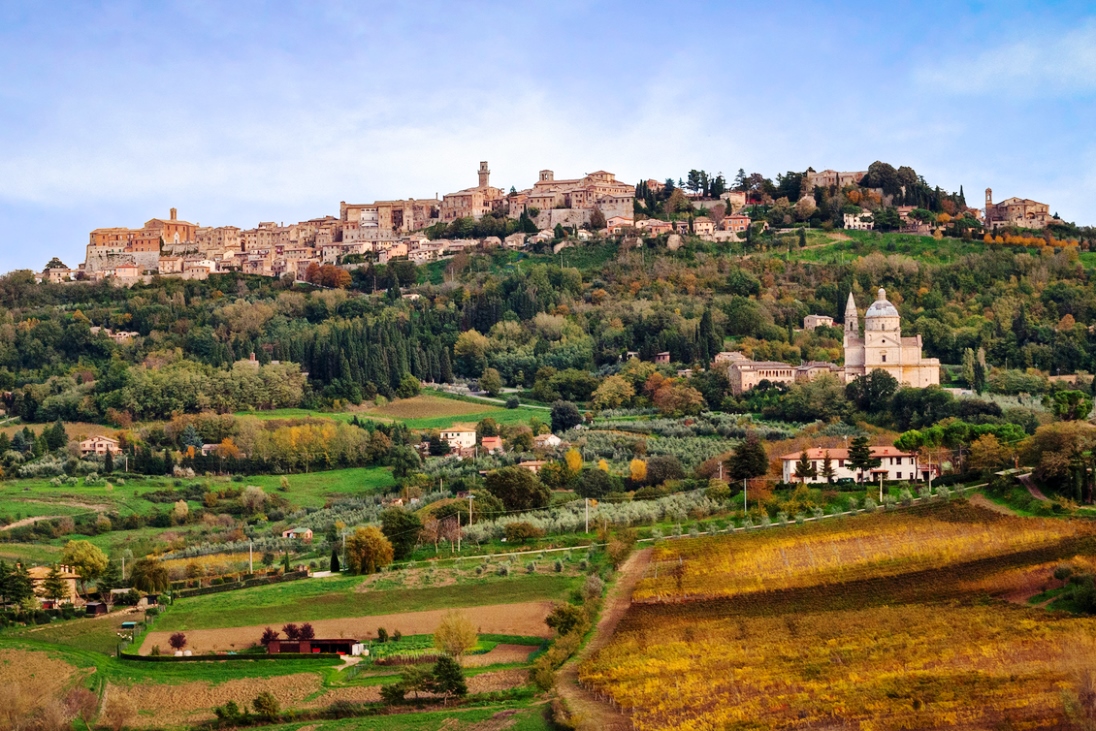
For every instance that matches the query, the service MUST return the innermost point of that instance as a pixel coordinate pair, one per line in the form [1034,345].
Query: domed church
[882,346]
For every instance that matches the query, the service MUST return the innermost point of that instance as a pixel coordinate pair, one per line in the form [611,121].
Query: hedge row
[202,590]
[222,658]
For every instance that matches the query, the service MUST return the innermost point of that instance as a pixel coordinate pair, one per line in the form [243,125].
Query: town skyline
[249,121]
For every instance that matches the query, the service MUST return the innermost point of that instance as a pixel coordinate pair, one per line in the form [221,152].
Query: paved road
[589,708]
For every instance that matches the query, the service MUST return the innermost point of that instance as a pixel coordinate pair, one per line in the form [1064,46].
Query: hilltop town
[596,204]
[528,459]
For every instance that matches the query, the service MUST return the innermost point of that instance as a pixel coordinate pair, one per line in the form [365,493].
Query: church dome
[881,307]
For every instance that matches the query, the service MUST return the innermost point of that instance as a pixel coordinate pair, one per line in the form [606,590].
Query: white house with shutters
[895,465]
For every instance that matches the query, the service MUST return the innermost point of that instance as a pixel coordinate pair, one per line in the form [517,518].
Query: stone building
[882,347]
[828,178]
[1018,212]
[473,202]
[600,190]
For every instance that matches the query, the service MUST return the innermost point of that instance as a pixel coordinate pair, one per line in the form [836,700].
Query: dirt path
[27,521]
[594,712]
[983,502]
[1036,493]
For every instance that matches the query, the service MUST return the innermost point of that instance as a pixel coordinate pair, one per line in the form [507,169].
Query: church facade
[882,347]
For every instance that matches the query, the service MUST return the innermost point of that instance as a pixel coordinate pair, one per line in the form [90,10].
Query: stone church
[882,346]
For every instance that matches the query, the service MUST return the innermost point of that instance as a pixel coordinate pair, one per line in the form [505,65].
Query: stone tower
[484,175]
[852,321]
[989,204]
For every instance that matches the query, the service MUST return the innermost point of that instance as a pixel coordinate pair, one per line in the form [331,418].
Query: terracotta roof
[842,453]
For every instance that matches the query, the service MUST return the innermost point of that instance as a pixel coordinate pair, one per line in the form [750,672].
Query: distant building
[861,221]
[459,438]
[298,534]
[663,357]
[894,465]
[339,646]
[828,178]
[99,446]
[491,444]
[546,441]
[39,574]
[882,347]
[810,322]
[532,465]
[473,202]
[1018,212]
[744,375]
[703,226]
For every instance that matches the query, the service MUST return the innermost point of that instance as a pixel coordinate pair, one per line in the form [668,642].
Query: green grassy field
[334,597]
[313,489]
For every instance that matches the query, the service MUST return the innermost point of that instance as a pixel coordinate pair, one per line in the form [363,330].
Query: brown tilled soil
[499,655]
[505,619]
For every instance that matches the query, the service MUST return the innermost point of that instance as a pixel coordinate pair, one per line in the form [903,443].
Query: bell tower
[852,321]
[989,204]
[484,175]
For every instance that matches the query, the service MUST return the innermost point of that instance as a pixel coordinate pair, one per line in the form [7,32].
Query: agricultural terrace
[881,644]
[436,411]
[341,597]
[864,546]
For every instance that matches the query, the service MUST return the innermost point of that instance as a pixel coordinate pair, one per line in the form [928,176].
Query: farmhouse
[99,446]
[39,574]
[894,465]
[303,534]
[532,465]
[459,438]
[338,646]
[546,441]
[491,444]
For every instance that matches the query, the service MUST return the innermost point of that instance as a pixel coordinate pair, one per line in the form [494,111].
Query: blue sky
[236,112]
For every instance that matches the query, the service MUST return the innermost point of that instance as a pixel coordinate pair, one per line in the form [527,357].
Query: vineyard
[861,547]
[882,622]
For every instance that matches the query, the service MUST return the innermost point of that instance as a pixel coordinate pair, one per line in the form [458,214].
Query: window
[884,357]
[899,475]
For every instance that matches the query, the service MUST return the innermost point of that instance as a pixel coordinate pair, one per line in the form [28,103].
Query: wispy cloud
[1042,65]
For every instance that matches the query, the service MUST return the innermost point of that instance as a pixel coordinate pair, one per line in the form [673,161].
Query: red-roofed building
[491,444]
[894,465]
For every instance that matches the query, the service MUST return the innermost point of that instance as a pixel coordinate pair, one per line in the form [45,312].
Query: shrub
[513,402]
[382,634]
[266,705]
[503,570]
[558,566]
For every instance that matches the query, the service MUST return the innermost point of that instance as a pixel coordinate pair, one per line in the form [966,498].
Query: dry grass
[187,703]
[525,619]
[427,406]
[45,674]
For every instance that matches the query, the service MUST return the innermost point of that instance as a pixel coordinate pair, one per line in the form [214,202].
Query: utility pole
[470,496]
[123,568]
[250,558]
[880,488]
[587,514]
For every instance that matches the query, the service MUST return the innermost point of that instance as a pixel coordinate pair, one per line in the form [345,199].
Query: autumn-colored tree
[455,634]
[613,392]
[573,460]
[637,471]
[367,550]
[987,454]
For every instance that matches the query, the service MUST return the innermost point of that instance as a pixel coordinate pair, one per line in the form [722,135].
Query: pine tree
[108,462]
[54,586]
[169,463]
[828,471]
[860,457]
[804,468]
[335,567]
[19,586]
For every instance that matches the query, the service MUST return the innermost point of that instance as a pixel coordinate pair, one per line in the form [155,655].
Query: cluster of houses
[392,229]
[465,443]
